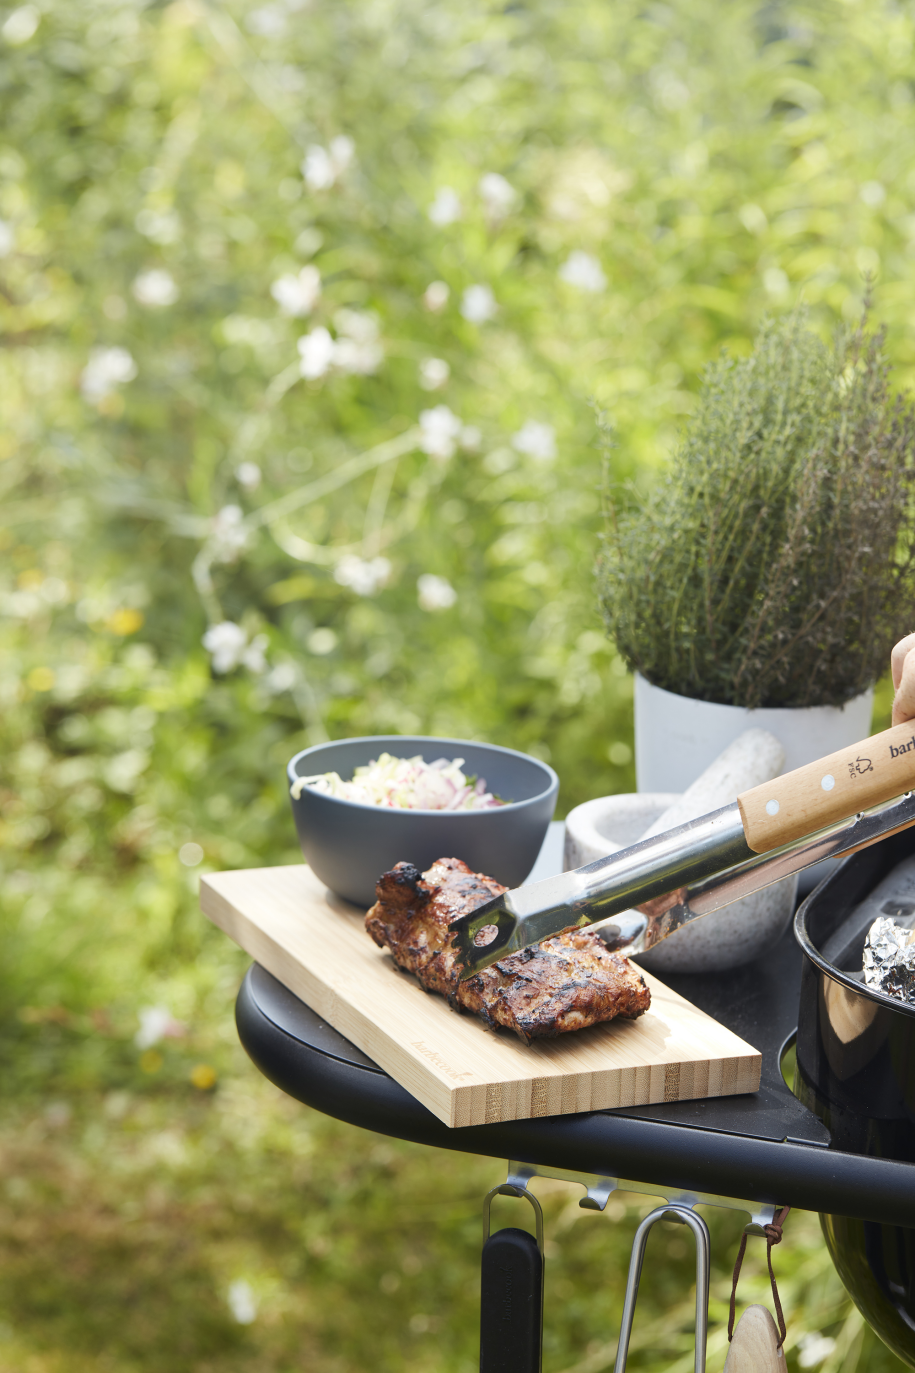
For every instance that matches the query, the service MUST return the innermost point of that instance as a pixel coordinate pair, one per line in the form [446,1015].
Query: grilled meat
[565,983]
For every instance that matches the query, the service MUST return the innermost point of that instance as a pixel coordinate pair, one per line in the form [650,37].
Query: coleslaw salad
[406,784]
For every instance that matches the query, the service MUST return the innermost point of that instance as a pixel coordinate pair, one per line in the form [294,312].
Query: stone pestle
[754,757]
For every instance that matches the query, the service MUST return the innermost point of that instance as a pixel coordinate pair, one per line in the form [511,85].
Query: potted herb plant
[766,576]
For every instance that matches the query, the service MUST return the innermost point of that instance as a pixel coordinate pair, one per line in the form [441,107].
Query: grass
[127,1216]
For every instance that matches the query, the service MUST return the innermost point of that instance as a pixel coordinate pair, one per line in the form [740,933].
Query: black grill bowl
[856,1071]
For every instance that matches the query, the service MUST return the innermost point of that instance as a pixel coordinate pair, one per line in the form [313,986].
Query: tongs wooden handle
[823,810]
[832,788]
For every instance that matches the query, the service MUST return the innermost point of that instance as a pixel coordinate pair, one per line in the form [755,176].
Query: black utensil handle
[511,1303]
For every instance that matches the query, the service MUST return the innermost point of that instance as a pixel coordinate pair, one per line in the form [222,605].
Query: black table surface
[764,1146]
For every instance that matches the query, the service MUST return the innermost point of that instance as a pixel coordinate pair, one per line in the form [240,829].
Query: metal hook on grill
[512,1189]
[684,1216]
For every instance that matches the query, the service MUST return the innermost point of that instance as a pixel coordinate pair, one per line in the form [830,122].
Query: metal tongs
[642,894]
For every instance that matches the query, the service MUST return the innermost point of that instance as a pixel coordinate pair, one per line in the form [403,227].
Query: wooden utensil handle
[833,788]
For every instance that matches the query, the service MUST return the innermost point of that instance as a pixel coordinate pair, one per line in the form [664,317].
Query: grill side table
[765,1145]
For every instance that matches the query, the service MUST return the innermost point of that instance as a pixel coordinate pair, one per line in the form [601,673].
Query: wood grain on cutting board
[316,945]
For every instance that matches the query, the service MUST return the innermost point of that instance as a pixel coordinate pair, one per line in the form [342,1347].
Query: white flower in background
[281,678]
[268,22]
[433,373]
[322,641]
[316,352]
[53,591]
[814,1348]
[228,646]
[225,644]
[357,349]
[873,193]
[296,294]
[20,25]
[309,241]
[669,92]
[498,195]
[254,658]
[753,219]
[228,536]
[123,771]
[361,359]
[318,169]
[342,152]
[435,296]
[584,271]
[242,1302]
[470,438]
[159,226]
[156,1022]
[106,369]
[439,432]
[7,238]
[435,593]
[478,304]
[365,576]
[776,281]
[445,208]
[322,167]
[537,440]
[155,288]
[248,475]
[22,604]
[359,325]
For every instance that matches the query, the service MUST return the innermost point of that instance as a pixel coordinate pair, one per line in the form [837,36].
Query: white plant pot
[725,939]
[677,737]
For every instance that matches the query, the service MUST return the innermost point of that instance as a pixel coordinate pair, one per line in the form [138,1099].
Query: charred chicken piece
[565,983]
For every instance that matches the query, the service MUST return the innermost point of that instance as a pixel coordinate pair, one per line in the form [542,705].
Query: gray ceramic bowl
[349,845]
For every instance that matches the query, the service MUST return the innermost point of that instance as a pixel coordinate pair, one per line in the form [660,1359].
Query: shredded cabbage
[406,784]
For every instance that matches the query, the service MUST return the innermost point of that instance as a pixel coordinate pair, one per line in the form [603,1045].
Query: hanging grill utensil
[648,891]
[511,1292]
[685,1216]
[503,1354]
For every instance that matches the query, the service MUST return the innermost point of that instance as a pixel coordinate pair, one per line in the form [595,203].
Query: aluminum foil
[889,960]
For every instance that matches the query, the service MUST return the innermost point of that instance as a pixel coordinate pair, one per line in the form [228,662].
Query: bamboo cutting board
[316,945]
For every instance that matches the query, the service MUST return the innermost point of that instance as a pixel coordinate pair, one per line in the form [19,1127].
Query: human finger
[904,700]
[898,656]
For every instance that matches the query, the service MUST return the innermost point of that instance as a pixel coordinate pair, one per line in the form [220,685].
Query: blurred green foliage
[673,172]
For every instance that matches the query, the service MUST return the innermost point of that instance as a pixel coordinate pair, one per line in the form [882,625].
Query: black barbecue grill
[767,1147]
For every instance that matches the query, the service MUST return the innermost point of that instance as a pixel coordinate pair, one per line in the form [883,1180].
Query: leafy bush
[775,564]
[166,471]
